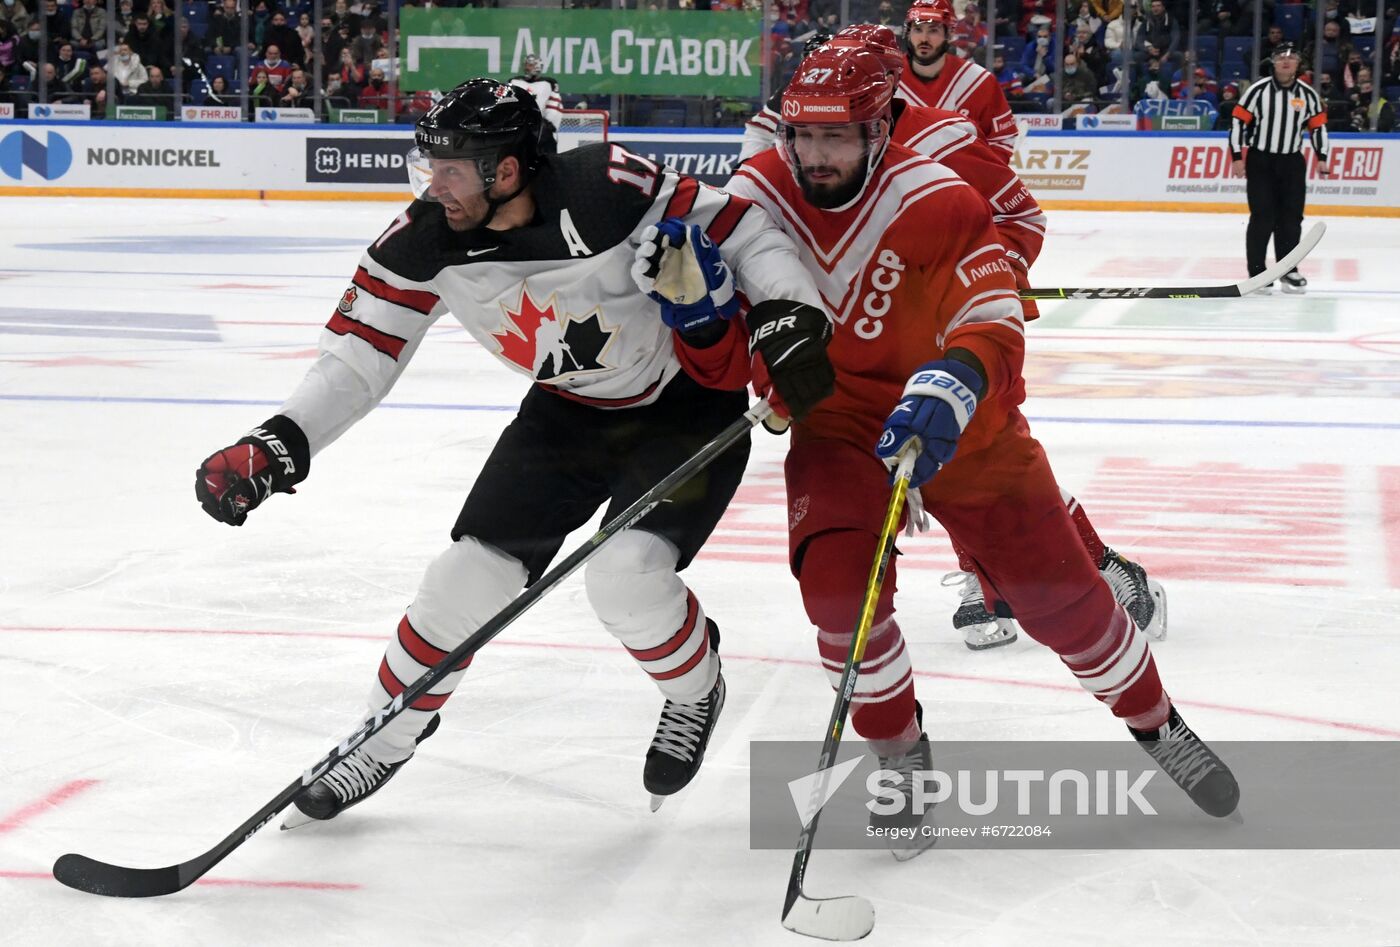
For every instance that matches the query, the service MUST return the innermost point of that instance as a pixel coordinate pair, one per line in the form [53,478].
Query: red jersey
[963,86]
[952,140]
[910,270]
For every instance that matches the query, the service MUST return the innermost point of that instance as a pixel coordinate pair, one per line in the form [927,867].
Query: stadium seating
[1292,17]
[1237,48]
[225,66]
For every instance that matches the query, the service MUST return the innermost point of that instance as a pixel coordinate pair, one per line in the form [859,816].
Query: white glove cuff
[935,383]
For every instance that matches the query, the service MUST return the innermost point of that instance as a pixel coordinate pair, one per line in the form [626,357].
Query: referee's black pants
[1276,186]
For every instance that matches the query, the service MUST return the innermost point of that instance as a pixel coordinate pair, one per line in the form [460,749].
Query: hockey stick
[1225,291]
[850,917]
[96,877]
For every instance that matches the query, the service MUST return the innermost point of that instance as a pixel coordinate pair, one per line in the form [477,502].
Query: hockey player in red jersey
[534,255]
[937,79]
[928,349]
[954,141]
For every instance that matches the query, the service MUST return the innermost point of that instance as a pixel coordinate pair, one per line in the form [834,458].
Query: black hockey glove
[787,344]
[270,459]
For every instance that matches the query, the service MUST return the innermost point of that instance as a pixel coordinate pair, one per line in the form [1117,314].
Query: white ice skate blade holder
[295,819]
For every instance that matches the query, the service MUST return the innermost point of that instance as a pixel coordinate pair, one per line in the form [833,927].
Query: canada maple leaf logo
[520,327]
[550,345]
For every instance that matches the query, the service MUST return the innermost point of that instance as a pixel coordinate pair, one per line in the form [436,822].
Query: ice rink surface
[162,675]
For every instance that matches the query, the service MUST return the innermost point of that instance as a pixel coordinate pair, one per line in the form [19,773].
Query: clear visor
[432,179]
[826,148]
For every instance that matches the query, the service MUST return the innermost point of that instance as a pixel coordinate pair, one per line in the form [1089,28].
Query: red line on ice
[227,882]
[577,646]
[59,796]
[1390,519]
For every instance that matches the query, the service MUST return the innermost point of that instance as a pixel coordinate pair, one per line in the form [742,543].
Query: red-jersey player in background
[928,344]
[939,80]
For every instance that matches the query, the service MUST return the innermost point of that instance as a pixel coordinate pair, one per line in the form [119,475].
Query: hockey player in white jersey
[545,90]
[533,255]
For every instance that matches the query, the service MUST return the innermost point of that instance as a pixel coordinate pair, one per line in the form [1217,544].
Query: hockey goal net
[582,127]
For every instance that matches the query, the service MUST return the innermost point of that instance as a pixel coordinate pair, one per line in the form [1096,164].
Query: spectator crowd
[62,47]
[1147,53]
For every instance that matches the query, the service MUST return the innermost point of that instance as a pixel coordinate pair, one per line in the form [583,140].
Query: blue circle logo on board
[21,150]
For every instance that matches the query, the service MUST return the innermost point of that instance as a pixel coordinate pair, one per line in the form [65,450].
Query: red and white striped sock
[883,701]
[1119,670]
[642,602]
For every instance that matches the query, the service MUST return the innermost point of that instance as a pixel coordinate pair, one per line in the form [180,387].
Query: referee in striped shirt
[1272,119]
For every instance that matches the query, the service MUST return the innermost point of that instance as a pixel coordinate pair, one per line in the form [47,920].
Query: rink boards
[1111,170]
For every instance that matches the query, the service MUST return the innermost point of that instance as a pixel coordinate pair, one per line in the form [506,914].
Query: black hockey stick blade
[117,881]
[95,877]
[1224,291]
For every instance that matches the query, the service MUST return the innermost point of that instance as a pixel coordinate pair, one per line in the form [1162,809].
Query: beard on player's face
[831,164]
[928,46]
[829,196]
[466,214]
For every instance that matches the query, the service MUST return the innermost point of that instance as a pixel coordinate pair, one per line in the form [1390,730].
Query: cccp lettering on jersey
[876,303]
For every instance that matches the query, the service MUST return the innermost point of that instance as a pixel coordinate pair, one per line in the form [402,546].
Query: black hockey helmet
[1285,49]
[481,120]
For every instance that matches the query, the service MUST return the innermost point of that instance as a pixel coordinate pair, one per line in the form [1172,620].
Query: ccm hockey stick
[777,424]
[1226,290]
[96,877]
[850,917]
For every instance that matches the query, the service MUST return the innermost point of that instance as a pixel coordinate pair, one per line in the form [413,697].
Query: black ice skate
[1144,599]
[354,779]
[980,628]
[682,734]
[1192,765]
[901,830]
[1293,282]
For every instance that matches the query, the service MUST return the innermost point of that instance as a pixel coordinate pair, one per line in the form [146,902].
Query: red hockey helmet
[838,85]
[930,11]
[880,40]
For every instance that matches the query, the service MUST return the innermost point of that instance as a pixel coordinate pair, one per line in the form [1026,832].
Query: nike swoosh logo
[480,252]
